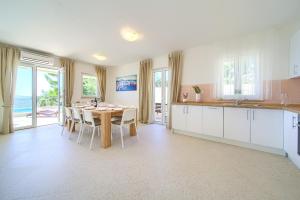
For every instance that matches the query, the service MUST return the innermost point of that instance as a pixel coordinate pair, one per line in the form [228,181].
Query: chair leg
[91,145]
[63,129]
[72,125]
[122,139]
[137,133]
[80,136]
[80,129]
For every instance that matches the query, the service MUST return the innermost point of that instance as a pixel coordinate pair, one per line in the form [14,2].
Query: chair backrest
[129,115]
[88,116]
[76,114]
[68,112]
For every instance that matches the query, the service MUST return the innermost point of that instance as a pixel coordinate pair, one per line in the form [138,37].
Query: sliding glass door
[160,95]
[47,96]
[23,99]
[36,100]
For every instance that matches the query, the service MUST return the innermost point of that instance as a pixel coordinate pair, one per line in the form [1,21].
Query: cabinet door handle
[187,109]
[247,114]
[212,108]
[183,110]
[294,124]
[252,114]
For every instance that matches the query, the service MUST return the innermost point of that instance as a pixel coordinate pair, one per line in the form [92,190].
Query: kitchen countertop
[292,107]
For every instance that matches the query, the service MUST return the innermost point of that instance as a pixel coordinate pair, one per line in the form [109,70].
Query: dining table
[105,114]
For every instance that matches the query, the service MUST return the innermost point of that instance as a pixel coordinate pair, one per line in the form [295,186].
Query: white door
[212,121]
[160,95]
[179,117]
[194,119]
[37,96]
[24,98]
[267,127]
[237,124]
[61,94]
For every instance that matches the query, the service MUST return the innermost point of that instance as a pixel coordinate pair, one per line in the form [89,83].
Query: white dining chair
[68,119]
[77,117]
[128,117]
[90,121]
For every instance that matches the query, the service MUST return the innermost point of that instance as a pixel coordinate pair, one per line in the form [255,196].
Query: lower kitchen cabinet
[257,126]
[212,121]
[291,135]
[237,124]
[267,128]
[194,119]
[179,117]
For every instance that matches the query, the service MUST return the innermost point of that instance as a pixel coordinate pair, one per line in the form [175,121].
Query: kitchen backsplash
[272,91]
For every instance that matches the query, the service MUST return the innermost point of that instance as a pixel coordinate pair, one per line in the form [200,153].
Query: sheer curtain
[145,90]
[101,77]
[68,66]
[9,60]
[243,60]
[175,65]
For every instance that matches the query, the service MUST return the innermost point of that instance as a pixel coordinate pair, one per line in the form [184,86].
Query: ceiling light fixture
[99,57]
[130,35]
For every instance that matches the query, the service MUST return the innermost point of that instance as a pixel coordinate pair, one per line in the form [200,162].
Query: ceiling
[79,29]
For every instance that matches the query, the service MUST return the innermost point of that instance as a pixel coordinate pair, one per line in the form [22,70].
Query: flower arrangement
[185,97]
[197,89]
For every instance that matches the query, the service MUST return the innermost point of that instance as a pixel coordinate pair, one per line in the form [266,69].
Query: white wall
[199,62]
[129,97]
[125,98]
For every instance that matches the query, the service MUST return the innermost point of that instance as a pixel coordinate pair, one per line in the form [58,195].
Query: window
[240,78]
[89,86]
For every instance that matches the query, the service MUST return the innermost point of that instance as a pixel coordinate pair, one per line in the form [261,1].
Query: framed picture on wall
[126,83]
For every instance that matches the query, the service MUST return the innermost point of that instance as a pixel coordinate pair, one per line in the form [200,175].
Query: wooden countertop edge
[292,108]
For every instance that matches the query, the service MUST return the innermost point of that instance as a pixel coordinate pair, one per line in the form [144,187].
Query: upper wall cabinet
[295,55]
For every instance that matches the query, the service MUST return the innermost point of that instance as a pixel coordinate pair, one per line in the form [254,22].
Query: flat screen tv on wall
[126,83]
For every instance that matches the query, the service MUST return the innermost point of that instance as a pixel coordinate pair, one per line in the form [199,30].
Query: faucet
[238,101]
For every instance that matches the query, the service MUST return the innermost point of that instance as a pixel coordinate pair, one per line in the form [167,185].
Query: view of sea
[22,104]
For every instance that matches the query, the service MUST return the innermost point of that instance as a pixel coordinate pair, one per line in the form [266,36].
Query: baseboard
[232,142]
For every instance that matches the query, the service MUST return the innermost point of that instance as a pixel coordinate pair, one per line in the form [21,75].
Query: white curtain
[9,60]
[262,46]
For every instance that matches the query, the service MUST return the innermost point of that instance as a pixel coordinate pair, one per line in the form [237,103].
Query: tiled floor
[40,164]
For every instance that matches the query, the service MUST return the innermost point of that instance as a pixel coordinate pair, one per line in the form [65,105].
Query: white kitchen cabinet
[194,119]
[212,121]
[291,137]
[237,124]
[267,128]
[295,55]
[179,117]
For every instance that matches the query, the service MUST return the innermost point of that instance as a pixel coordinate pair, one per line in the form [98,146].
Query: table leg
[68,124]
[105,130]
[72,128]
[132,129]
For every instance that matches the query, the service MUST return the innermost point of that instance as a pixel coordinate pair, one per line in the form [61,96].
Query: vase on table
[198,97]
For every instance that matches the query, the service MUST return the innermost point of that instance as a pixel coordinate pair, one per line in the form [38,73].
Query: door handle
[252,114]
[247,114]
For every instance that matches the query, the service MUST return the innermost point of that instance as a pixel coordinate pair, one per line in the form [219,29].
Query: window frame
[236,59]
[97,89]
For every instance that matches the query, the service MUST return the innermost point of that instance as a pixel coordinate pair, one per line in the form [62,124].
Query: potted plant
[198,92]
[185,97]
